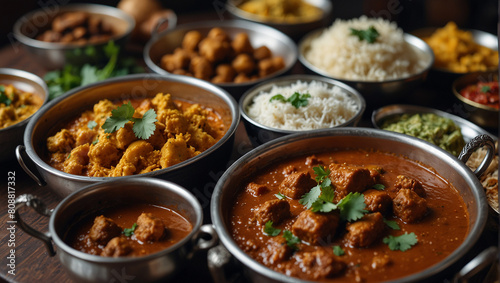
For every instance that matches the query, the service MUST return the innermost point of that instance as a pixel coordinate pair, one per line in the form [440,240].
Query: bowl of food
[298,103]
[294,18]
[21,95]
[288,210]
[72,34]
[114,228]
[478,93]
[372,55]
[234,55]
[143,125]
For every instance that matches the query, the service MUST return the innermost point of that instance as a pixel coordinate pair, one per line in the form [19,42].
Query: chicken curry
[16,105]
[349,216]
[134,136]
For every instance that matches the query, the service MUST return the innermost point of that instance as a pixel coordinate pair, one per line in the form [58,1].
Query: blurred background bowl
[54,55]
[376,93]
[12,136]
[481,114]
[259,133]
[295,29]
[279,44]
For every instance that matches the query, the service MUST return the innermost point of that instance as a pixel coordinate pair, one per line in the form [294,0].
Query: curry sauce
[16,105]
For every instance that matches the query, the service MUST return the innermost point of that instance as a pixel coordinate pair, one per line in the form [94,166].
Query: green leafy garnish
[95,142]
[143,127]
[270,230]
[129,231]
[352,207]
[392,224]
[485,88]
[321,173]
[91,124]
[296,99]
[280,196]
[309,198]
[379,187]
[291,239]
[402,243]
[3,96]
[369,35]
[324,203]
[338,251]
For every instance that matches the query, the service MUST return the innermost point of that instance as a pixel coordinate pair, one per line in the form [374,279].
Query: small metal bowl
[56,55]
[483,115]
[279,44]
[375,92]
[12,136]
[259,133]
[293,29]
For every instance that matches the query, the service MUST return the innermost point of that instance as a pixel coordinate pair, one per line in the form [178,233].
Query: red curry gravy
[439,233]
[176,228]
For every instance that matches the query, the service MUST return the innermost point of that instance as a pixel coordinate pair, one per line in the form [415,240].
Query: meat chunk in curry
[364,232]
[317,265]
[275,210]
[349,179]
[149,228]
[409,206]
[103,230]
[315,228]
[404,182]
[377,201]
[296,185]
[116,247]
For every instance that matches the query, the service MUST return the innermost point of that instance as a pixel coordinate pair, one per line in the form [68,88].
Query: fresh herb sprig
[270,230]
[291,240]
[369,35]
[296,99]
[129,231]
[402,243]
[143,127]
[3,96]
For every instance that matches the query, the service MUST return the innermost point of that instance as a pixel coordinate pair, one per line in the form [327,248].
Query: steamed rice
[344,56]
[327,107]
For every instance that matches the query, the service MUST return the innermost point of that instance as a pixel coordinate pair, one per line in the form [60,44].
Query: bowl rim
[247,98]
[238,24]
[476,76]
[32,78]
[324,6]
[414,41]
[224,95]
[229,243]
[91,8]
[142,183]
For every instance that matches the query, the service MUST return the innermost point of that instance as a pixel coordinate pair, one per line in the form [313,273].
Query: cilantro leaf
[338,251]
[309,198]
[402,243]
[5,99]
[129,231]
[321,173]
[95,142]
[485,88]
[392,224]
[291,240]
[323,206]
[352,207]
[280,196]
[144,127]
[119,117]
[278,97]
[270,230]
[379,187]
[369,35]
[327,193]
[298,100]
[91,124]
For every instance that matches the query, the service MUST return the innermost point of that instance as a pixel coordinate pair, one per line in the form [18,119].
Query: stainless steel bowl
[375,92]
[279,44]
[478,113]
[52,116]
[57,55]
[449,167]
[296,29]
[12,136]
[259,133]
[83,267]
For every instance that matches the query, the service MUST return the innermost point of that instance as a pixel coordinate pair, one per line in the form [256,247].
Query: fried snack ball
[180,59]
[224,73]
[270,65]
[243,63]
[262,53]
[219,34]
[241,43]
[213,49]
[191,40]
[201,68]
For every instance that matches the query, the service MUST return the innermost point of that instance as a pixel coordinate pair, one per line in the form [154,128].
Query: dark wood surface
[32,262]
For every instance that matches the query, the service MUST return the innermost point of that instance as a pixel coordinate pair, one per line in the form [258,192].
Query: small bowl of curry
[114,226]
[21,95]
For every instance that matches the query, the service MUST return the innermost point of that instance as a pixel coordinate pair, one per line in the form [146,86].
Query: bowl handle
[170,20]
[475,143]
[20,150]
[223,266]
[485,259]
[33,202]
[200,243]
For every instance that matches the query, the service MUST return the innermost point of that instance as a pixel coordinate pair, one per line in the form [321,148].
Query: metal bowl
[259,133]
[303,144]
[83,267]
[57,55]
[279,44]
[478,113]
[375,92]
[293,29]
[52,116]
[12,136]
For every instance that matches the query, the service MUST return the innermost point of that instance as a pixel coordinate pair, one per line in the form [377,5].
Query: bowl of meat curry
[149,125]
[114,228]
[348,205]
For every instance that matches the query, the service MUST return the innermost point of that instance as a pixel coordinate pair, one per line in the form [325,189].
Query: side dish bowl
[53,115]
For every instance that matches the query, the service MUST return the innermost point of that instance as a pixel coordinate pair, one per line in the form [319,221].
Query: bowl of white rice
[298,103]
[373,55]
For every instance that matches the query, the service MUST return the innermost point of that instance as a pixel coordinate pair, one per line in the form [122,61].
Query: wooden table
[33,264]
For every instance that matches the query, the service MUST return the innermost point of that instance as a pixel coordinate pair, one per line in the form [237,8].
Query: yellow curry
[16,105]
[282,10]
[180,130]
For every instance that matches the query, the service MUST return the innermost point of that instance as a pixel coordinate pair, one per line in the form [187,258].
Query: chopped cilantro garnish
[95,142]
[270,230]
[369,35]
[402,243]
[392,224]
[143,127]
[309,198]
[296,99]
[338,251]
[91,124]
[3,96]
[129,231]
[291,239]
[352,207]
[485,88]
[280,196]
[321,173]
[379,187]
